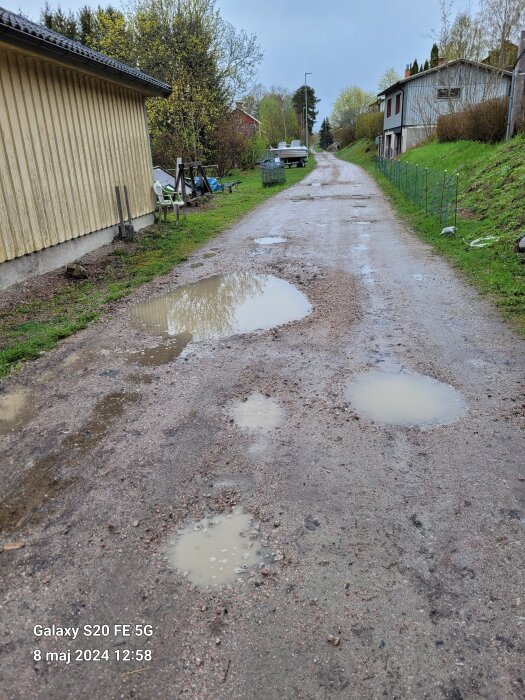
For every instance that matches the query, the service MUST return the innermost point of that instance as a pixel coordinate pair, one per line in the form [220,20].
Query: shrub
[485,122]
[369,125]
[344,136]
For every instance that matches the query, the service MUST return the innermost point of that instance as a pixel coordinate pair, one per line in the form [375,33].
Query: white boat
[294,153]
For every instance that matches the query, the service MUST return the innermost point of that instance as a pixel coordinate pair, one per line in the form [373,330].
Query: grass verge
[491,203]
[27,329]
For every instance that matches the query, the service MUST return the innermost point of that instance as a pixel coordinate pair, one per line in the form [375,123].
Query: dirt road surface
[393,556]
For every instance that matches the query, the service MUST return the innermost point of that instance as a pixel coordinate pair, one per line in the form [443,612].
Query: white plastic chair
[167,200]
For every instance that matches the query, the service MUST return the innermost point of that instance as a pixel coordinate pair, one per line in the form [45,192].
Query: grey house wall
[423,106]
[394,121]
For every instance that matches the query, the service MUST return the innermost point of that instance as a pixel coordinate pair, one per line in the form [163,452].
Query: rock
[76,271]
[448,231]
[335,641]
[10,546]
[311,523]
[521,245]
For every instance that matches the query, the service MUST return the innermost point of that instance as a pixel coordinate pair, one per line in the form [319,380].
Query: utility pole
[306,110]
[516,90]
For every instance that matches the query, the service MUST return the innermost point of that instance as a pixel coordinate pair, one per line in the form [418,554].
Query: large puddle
[220,306]
[257,412]
[270,240]
[216,551]
[15,410]
[405,399]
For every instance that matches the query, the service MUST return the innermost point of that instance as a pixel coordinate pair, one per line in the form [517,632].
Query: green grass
[37,325]
[491,202]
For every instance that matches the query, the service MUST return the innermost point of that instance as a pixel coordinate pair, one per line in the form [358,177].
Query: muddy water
[405,399]
[258,412]
[215,551]
[220,306]
[160,354]
[196,264]
[15,410]
[209,255]
[270,240]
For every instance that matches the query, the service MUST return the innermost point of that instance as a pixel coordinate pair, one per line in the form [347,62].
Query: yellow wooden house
[72,128]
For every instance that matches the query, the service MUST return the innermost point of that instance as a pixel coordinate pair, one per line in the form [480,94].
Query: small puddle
[216,551]
[160,354]
[405,399]
[220,306]
[418,277]
[209,255]
[258,412]
[15,410]
[270,240]
[196,264]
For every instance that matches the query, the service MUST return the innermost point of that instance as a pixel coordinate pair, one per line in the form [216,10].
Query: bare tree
[503,20]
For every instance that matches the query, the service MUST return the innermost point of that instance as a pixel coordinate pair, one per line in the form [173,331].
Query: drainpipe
[402,113]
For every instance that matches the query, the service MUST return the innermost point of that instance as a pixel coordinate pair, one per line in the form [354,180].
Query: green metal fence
[435,192]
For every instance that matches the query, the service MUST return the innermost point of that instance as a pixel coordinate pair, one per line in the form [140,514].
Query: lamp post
[306,110]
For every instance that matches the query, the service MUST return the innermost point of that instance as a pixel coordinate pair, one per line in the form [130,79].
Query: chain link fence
[433,191]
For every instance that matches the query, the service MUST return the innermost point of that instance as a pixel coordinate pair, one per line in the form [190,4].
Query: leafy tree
[389,77]
[278,118]
[414,68]
[434,56]
[325,134]
[298,101]
[351,102]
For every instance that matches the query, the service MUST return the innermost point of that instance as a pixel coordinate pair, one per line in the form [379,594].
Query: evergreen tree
[299,105]
[427,65]
[325,134]
[414,69]
[434,56]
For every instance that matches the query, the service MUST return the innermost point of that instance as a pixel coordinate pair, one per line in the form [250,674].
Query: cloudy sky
[341,42]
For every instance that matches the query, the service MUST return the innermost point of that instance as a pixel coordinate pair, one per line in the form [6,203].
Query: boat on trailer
[294,154]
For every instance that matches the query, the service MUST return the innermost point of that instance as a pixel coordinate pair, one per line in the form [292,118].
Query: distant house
[72,127]
[248,124]
[413,104]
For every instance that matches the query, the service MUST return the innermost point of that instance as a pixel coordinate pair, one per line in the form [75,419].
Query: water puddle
[258,412]
[405,399]
[160,354]
[196,264]
[270,240]
[15,410]
[418,277]
[209,255]
[222,305]
[216,551]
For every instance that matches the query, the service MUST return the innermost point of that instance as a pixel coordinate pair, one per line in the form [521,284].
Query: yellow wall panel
[66,140]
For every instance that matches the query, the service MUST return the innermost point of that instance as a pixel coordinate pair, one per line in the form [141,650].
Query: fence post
[415,189]
[442,195]
[456,207]
[426,191]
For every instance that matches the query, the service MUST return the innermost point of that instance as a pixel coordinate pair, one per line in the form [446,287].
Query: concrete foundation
[56,256]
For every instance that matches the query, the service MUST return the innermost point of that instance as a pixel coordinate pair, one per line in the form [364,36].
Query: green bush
[485,122]
[369,125]
[344,136]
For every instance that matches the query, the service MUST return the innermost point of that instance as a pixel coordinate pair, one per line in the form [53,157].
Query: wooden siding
[66,140]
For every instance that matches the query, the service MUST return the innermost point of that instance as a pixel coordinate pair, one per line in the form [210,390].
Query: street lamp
[306,109]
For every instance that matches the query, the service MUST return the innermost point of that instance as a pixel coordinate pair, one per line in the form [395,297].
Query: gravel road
[393,556]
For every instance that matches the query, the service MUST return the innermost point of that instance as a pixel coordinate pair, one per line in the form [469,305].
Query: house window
[449,93]
[389,107]
[398,103]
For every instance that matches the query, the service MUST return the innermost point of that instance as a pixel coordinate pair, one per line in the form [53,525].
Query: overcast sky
[341,42]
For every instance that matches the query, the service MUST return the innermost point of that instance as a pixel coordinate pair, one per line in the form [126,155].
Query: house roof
[21,32]
[240,109]
[444,66]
